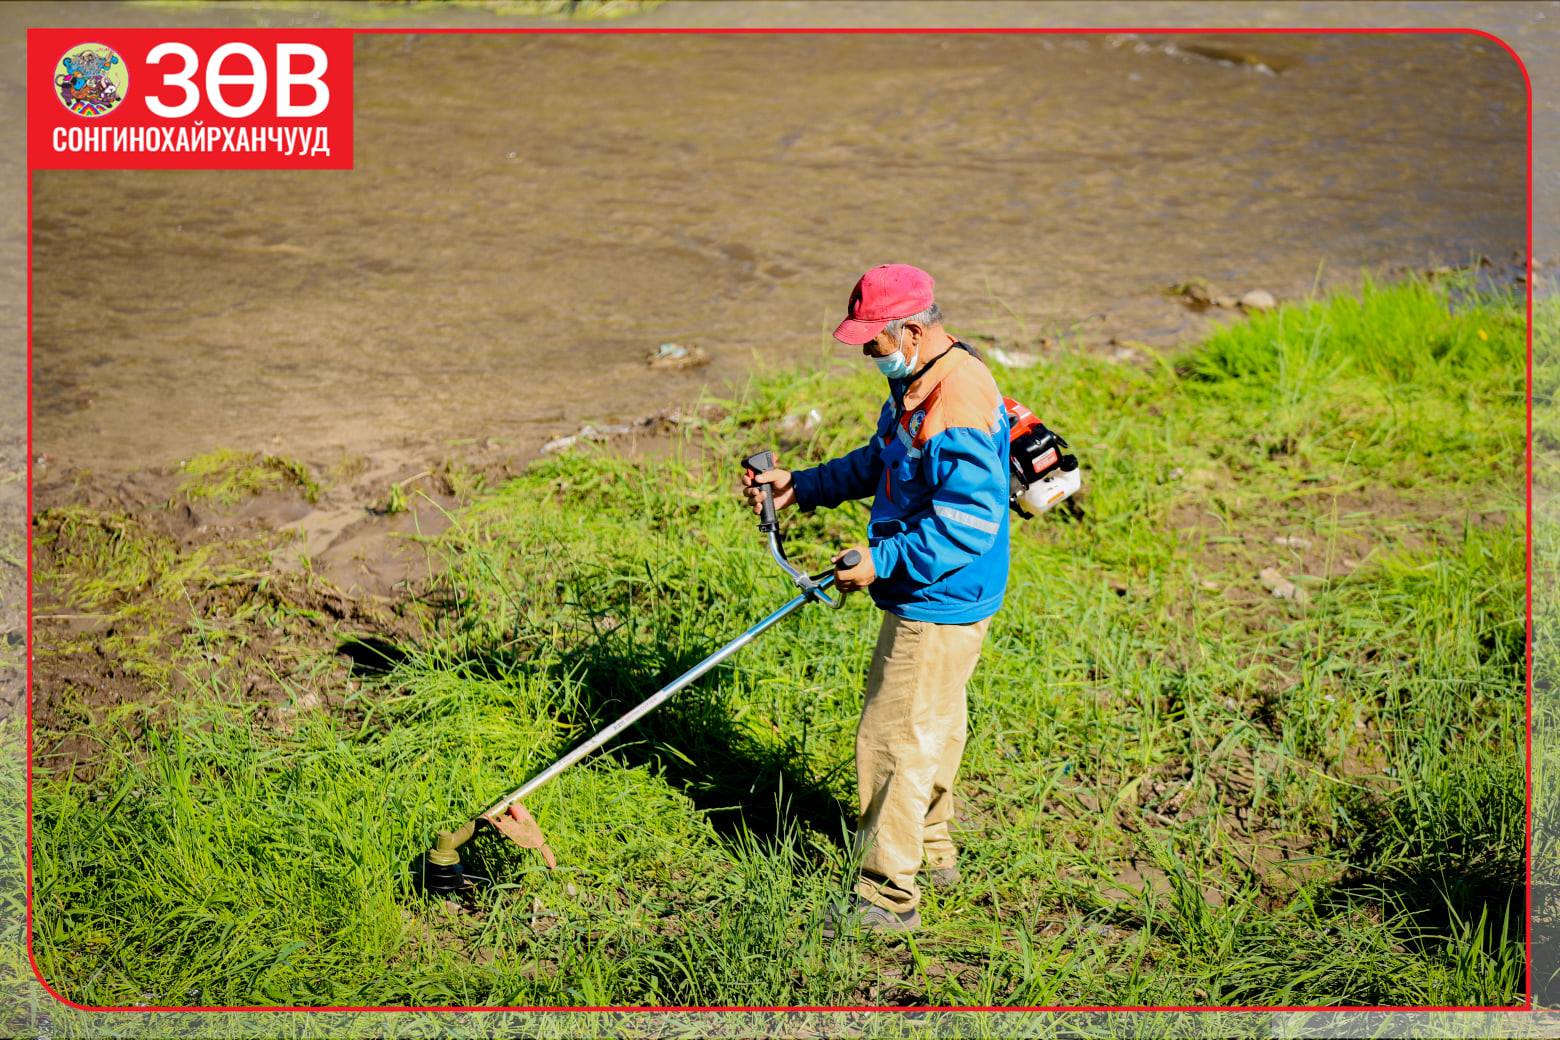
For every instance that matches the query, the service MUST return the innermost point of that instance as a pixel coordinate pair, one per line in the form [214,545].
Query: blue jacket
[937,468]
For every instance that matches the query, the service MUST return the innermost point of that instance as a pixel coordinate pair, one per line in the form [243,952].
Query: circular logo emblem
[91,80]
[915,422]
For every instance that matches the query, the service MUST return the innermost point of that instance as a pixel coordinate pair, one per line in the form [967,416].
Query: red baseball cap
[884,293]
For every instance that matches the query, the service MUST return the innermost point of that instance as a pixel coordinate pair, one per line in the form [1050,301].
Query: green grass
[1178,789]
[226,476]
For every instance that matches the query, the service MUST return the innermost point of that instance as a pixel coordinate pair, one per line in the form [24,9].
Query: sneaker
[943,877]
[869,917]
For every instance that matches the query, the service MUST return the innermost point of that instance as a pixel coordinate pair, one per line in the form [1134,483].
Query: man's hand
[785,491]
[858,577]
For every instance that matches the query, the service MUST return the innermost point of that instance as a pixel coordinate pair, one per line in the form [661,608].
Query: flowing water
[530,216]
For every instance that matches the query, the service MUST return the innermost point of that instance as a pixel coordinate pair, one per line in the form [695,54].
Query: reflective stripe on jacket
[937,470]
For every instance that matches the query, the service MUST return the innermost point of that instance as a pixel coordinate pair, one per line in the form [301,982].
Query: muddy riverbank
[498,272]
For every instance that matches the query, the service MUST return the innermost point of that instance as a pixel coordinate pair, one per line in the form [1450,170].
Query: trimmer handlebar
[763,462]
[812,586]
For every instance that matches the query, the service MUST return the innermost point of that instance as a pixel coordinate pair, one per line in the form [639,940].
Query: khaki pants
[908,748]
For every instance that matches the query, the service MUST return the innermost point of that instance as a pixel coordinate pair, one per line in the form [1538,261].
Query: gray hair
[931,316]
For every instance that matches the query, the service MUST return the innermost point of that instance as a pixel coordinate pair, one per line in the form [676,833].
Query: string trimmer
[439,870]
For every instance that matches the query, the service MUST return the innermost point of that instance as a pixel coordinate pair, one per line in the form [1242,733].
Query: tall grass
[1178,789]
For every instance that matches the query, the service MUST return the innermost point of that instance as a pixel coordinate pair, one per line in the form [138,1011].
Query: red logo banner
[241,99]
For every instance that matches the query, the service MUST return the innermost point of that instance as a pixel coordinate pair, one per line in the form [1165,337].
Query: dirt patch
[368,552]
[264,635]
[1218,796]
[1134,881]
[141,595]
[73,697]
[145,589]
[1315,537]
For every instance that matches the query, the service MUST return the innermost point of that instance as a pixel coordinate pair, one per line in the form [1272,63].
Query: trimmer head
[446,880]
[441,872]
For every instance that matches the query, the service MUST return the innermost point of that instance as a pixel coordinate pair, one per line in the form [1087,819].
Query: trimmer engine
[1041,472]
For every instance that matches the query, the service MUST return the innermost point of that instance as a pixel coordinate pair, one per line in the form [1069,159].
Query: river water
[530,216]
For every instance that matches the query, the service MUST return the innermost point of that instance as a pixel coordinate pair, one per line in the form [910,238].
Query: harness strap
[897,387]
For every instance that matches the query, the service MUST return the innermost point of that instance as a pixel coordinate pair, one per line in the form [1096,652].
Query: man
[935,562]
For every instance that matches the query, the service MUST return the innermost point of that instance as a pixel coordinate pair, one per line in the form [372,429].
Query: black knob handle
[849,560]
[762,462]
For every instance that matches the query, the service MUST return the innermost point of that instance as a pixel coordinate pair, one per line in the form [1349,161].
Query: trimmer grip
[763,462]
[849,560]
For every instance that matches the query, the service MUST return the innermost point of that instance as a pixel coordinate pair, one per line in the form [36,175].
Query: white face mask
[894,366]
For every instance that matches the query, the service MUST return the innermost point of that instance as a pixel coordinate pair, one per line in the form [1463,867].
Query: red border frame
[1528,1006]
